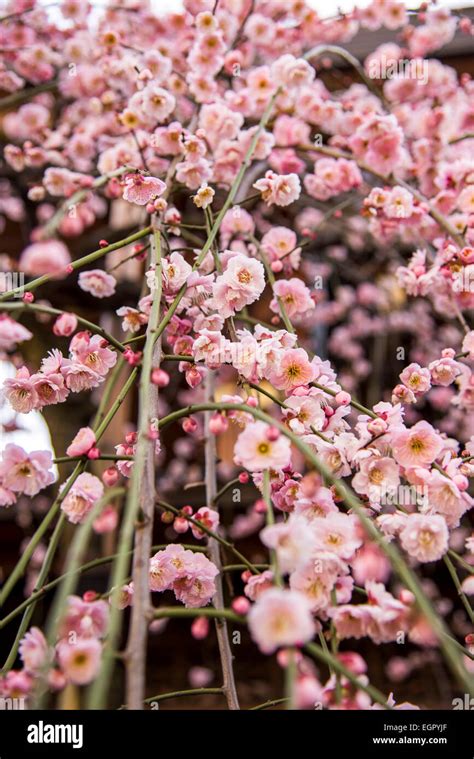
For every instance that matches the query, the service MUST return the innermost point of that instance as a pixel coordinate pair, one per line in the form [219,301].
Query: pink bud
[113,188]
[65,325]
[110,476]
[200,628]
[28,298]
[160,378]
[103,244]
[193,377]
[218,423]
[245,576]
[466,256]
[461,481]
[276,266]
[252,402]
[150,208]
[272,434]
[353,661]
[89,596]
[406,597]
[106,522]
[283,657]
[180,525]
[131,438]
[93,453]
[152,433]
[342,398]
[160,205]
[56,679]
[329,411]
[69,269]
[244,477]
[275,319]
[131,357]
[448,353]
[189,424]
[377,426]
[240,605]
[260,506]
[188,510]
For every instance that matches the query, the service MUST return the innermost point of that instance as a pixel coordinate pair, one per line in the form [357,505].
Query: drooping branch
[400,567]
[225,652]
[77,264]
[142,491]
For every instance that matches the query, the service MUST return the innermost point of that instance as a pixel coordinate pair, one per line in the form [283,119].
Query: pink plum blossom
[11,333]
[82,443]
[425,537]
[418,446]
[140,189]
[279,189]
[26,473]
[280,618]
[45,257]
[33,650]
[80,661]
[97,282]
[85,491]
[255,451]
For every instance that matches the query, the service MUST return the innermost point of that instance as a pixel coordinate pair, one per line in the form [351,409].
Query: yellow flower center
[416,445]
[376,476]
[244,276]
[293,371]
[425,538]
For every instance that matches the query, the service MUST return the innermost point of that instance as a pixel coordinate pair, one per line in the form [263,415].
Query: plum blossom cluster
[90,360]
[75,658]
[189,574]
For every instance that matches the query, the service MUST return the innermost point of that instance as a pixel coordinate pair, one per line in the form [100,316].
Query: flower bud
[342,398]
[272,434]
[180,525]
[240,605]
[200,628]
[160,378]
[110,476]
[189,425]
[65,325]
[218,423]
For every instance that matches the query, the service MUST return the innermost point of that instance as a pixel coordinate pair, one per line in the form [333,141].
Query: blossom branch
[41,309]
[77,264]
[400,566]
[141,499]
[228,686]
